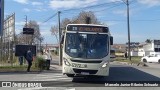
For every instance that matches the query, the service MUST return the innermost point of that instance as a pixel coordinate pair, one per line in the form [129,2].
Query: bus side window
[111,40]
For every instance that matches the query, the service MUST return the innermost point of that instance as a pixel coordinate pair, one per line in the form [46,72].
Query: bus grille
[80,61]
[88,71]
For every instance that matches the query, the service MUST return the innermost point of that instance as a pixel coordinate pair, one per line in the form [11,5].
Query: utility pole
[60,46]
[26,20]
[128,26]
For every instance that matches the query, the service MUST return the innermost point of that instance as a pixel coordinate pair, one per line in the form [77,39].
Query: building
[154,46]
[51,46]
[120,49]
[144,49]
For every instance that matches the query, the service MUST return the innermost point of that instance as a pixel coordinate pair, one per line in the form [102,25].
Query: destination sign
[83,28]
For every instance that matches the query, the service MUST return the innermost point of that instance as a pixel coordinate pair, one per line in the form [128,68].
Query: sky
[144,16]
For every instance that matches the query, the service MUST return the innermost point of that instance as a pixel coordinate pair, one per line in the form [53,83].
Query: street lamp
[128,26]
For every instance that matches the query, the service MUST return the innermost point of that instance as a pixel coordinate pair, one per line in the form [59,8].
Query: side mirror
[111,40]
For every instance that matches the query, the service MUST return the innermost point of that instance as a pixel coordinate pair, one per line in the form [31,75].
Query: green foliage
[148,41]
[40,63]
[133,59]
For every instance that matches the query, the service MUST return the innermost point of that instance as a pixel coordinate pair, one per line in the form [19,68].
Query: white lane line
[47,75]
[58,79]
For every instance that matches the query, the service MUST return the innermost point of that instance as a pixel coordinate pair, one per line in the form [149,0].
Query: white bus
[86,50]
[112,53]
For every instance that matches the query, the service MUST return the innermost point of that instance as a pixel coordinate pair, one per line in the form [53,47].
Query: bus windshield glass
[89,46]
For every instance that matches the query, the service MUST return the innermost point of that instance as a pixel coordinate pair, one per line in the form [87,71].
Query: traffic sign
[28,31]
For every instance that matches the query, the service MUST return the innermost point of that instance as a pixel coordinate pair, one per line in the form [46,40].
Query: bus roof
[83,28]
[89,25]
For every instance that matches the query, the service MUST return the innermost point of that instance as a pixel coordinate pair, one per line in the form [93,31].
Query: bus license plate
[79,65]
[84,73]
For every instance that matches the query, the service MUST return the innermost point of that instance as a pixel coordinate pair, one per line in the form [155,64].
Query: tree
[80,19]
[29,39]
[54,32]
[148,41]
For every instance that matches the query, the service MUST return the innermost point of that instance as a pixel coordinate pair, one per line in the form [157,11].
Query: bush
[40,63]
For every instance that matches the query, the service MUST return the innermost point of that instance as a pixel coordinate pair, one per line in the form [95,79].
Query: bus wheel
[70,75]
[144,60]
[159,61]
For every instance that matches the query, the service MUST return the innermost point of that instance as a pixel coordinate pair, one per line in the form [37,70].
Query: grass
[133,59]
[16,68]
[8,67]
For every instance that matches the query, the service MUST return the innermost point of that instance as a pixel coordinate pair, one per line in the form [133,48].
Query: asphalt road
[118,72]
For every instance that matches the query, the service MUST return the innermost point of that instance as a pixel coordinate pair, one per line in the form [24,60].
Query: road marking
[66,79]
[51,77]
[54,79]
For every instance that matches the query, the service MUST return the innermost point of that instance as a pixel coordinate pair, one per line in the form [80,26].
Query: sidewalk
[55,63]
[7,68]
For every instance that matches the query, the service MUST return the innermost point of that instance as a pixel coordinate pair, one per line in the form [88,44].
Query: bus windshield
[88,46]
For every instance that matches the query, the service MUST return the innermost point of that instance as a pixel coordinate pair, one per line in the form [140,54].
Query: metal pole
[8,40]
[26,20]
[128,24]
[60,47]
[1,28]
[13,42]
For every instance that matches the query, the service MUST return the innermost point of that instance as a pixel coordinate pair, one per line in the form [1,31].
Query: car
[151,58]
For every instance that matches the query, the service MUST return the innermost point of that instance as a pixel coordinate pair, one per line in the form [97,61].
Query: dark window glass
[91,46]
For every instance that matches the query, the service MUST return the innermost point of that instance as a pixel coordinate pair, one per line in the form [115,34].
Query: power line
[99,5]
[89,6]
[108,8]
[92,7]
[140,20]
[50,18]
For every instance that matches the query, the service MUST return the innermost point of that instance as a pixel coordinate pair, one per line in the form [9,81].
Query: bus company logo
[6,84]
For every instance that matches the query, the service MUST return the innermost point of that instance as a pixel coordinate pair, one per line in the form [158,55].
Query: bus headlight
[105,64]
[66,62]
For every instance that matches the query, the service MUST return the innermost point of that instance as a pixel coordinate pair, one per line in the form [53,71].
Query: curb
[56,67]
[133,64]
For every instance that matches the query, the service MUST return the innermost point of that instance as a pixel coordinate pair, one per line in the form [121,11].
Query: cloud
[124,12]
[18,31]
[26,10]
[21,1]
[150,3]
[57,4]
[37,3]
[111,23]
[40,9]
[21,23]
[46,33]
[121,12]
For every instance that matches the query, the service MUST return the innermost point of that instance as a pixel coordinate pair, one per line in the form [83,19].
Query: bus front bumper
[92,69]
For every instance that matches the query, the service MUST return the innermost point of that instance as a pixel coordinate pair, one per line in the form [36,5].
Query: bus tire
[70,75]
[159,61]
[144,60]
